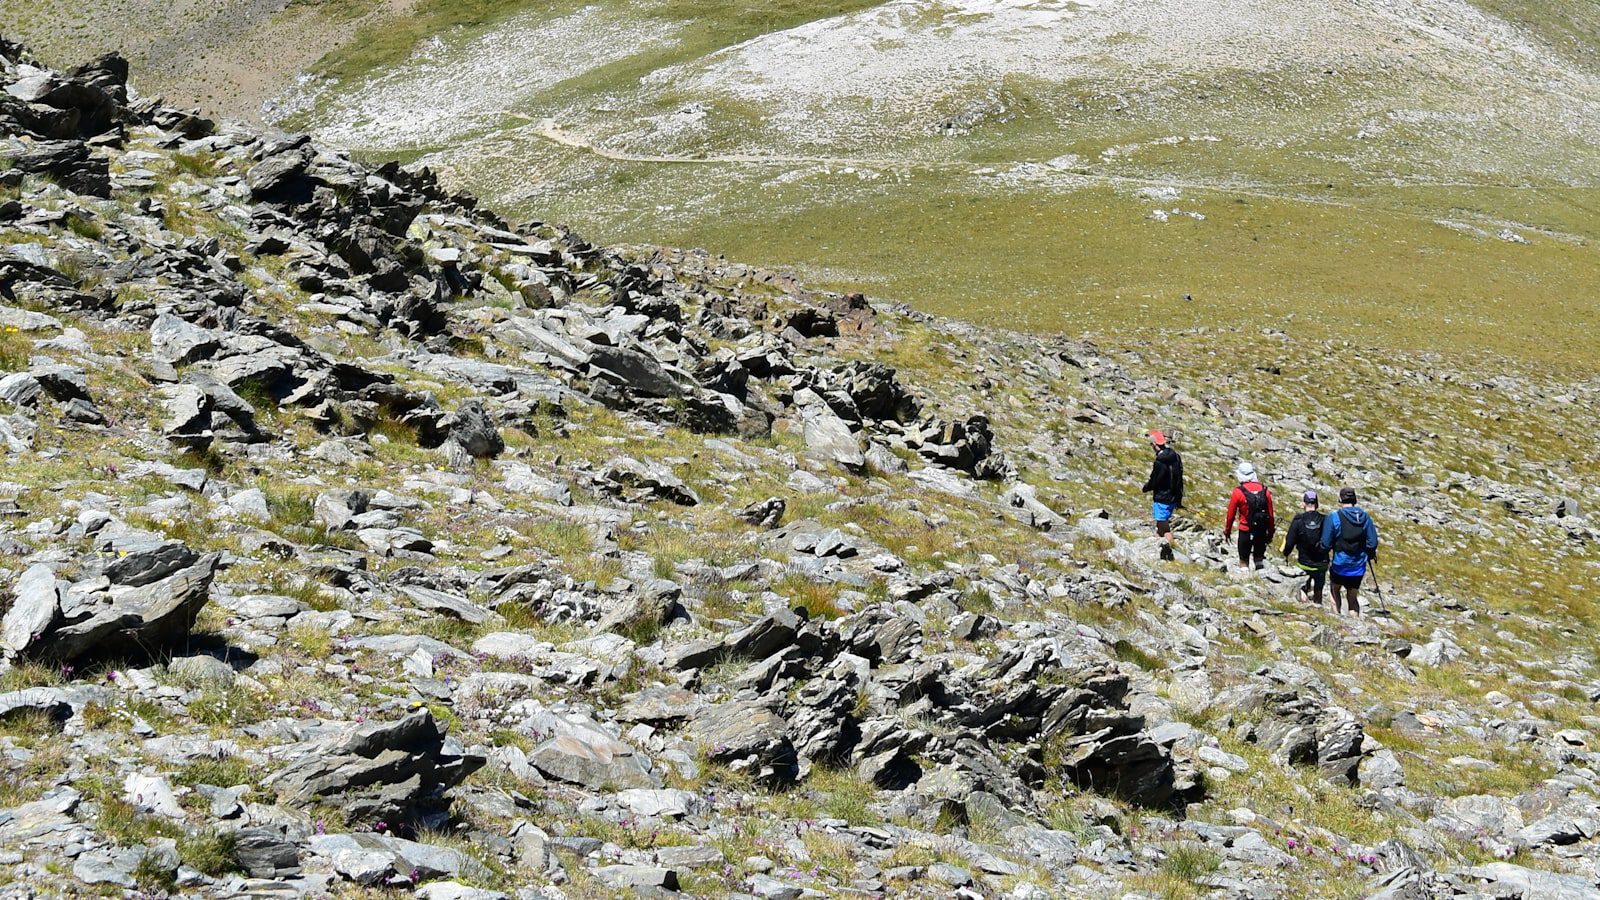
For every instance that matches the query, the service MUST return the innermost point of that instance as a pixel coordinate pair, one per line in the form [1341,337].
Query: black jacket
[1305,535]
[1166,478]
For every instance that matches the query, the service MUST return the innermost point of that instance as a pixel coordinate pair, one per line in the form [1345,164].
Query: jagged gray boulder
[57,704]
[637,877]
[369,859]
[747,737]
[1131,766]
[1532,883]
[152,609]
[144,562]
[177,342]
[202,409]
[35,606]
[264,852]
[70,163]
[336,510]
[578,750]
[385,772]
[766,513]
[473,432]
[21,389]
[1022,501]
[631,479]
[639,372]
[829,439]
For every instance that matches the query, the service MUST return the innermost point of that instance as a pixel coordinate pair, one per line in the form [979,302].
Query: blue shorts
[1162,511]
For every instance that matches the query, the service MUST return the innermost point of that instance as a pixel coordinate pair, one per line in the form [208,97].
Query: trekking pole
[1373,568]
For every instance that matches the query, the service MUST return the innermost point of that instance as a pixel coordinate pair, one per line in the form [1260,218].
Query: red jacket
[1239,507]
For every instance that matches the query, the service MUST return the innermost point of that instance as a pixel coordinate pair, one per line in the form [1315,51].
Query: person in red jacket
[1251,505]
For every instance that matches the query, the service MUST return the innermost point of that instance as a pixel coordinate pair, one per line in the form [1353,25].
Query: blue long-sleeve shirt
[1346,563]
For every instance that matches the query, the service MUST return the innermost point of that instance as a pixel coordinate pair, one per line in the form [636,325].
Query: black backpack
[1309,539]
[1256,509]
[1352,539]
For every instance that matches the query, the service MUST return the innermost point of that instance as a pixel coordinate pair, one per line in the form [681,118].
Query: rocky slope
[359,540]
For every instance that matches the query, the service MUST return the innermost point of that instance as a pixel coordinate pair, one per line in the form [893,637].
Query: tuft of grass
[1180,874]
[841,795]
[505,737]
[221,707]
[199,165]
[28,725]
[15,348]
[1189,862]
[300,587]
[818,599]
[225,771]
[395,431]
[96,716]
[151,875]
[85,227]
[1067,815]
[289,510]
[642,629]
[24,782]
[211,851]
[1127,652]
[830,853]
[122,822]
[315,643]
[258,394]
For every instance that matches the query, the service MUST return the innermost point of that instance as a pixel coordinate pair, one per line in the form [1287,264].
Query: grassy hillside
[1414,175]
[1571,27]
[1390,179]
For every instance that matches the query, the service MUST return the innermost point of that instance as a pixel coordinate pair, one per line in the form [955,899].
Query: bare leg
[1334,600]
[1355,604]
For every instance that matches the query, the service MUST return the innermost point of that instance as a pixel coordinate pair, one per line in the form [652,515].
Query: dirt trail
[549,130]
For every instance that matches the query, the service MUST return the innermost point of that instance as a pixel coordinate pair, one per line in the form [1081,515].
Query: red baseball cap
[1157,438]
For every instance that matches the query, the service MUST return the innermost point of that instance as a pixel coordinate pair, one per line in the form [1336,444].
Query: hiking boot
[1166,553]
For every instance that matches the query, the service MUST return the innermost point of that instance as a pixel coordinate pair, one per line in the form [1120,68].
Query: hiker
[1165,488]
[1305,536]
[1251,504]
[1352,538]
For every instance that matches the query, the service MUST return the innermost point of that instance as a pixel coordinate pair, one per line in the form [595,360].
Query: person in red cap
[1165,488]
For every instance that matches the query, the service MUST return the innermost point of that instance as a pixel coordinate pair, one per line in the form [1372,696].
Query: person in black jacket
[1305,535]
[1165,488]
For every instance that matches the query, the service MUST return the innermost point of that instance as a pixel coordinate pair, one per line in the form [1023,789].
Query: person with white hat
[1251,505]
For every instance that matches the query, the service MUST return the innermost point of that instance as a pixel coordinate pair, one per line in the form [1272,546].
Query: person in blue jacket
[1350,535]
